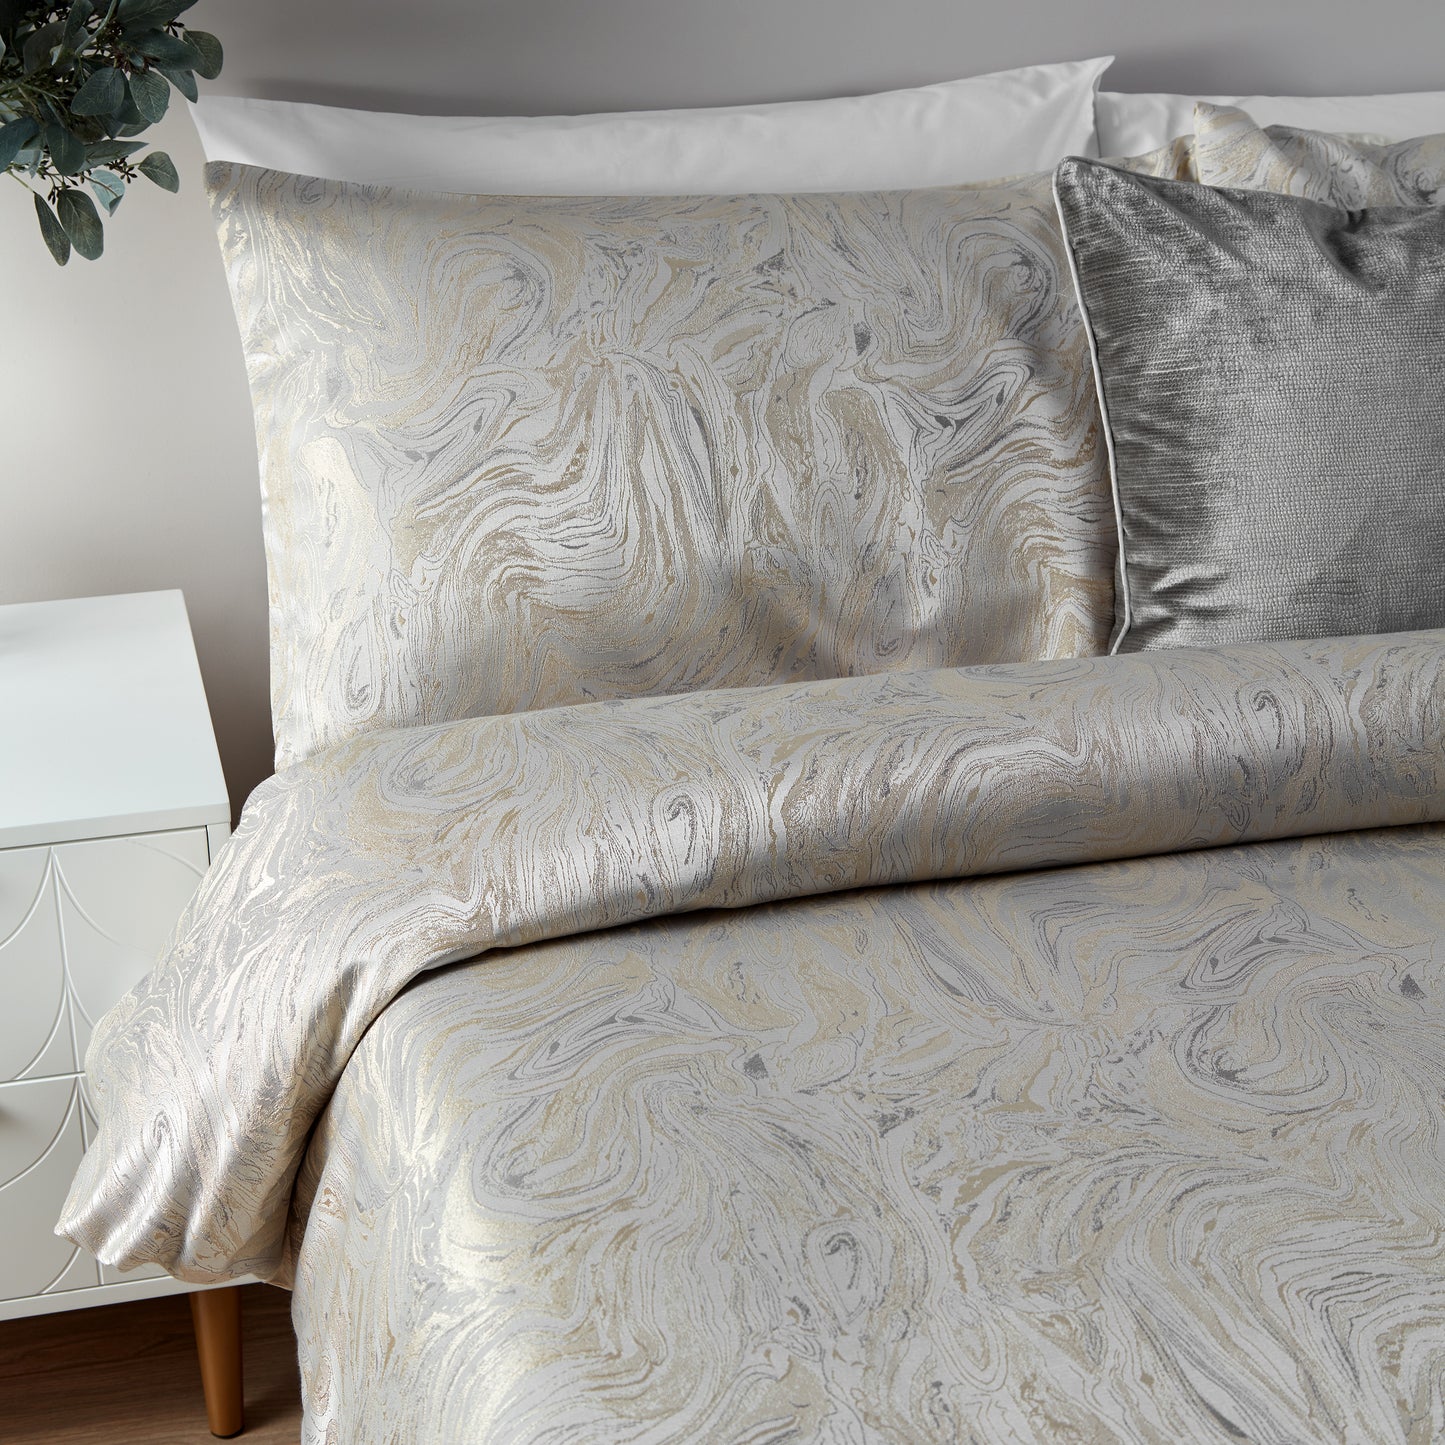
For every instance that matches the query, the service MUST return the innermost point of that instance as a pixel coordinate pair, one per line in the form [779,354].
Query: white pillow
[1128,125]
[947,134]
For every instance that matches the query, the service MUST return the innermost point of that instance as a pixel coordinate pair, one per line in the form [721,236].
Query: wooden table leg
[216,1315]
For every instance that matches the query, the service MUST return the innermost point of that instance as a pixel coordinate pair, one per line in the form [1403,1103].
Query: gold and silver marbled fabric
[709,1144]
[525,452]
[1352,172]
[1146,1151]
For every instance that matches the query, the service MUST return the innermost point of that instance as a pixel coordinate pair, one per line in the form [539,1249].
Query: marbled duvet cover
[1040,1052]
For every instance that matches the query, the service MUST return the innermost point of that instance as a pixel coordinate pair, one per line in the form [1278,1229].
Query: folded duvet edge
[399,852]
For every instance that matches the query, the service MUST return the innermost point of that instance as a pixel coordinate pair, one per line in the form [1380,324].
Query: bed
[970,1016]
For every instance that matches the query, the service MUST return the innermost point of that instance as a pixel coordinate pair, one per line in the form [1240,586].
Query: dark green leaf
[209,49]
[109,189]
[127,115]
[150,94]
[14,138]
[82,223]
[138,127]
[75,22]
[53,232]
[138,15]
[161,169]
[183,81]
[67,151]
[106,152]
[169,50]
[42,46]
[102,94]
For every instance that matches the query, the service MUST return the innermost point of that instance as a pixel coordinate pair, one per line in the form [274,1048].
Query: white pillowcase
[1131,124]
[948,134]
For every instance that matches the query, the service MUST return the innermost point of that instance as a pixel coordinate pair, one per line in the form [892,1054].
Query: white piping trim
[1123,610]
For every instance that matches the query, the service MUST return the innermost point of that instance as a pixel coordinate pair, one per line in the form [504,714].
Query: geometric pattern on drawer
[34,1032]
[119,901]
[40,1146]
[80,923]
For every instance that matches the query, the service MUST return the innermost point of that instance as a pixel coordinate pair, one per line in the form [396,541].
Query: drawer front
[40,1146]
[35,1034]
[119,901]
[80,923]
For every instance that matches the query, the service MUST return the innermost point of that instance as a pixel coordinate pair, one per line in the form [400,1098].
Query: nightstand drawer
[80,923]
[40,1146]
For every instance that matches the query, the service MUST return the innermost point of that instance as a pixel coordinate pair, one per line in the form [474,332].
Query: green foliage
[109,189]
[150,94]
[53,232]
[159,167]
[77,82]
[82,223]
[102,94]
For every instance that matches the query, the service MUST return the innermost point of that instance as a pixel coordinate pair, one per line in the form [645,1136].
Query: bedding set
[858,851]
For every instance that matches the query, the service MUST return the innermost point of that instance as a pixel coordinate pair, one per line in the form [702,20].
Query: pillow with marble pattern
[523,452]
[1272,379]
[1352,172]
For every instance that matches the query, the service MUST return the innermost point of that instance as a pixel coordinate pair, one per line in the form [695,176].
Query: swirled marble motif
[1132,1147]
[1352,172]
[1132,1152]
[525,452]
[404,850]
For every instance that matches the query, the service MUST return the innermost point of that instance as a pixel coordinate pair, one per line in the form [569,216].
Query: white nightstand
[112,805]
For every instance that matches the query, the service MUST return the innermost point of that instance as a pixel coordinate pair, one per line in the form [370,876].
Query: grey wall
[128,460]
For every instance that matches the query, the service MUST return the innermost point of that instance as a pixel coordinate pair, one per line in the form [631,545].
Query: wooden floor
[126,1375]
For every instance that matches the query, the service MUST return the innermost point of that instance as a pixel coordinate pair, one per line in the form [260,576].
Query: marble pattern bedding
[523,452]
[1352,172]
[768,1111]
[1134,1151]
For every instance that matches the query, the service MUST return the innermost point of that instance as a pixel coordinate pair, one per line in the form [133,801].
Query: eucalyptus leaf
[150,94]
[128,115]
[53,231]
[82,223]
[14,138]
[168,50]
[150,14]
[109,189]
[183,81]
[67,150]
[81,81]
[161,169]
[209,49]
[102,94]
[107,152]
[75,22]
[42,47]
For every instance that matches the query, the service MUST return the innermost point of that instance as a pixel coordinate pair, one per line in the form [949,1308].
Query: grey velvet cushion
[1272,375]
